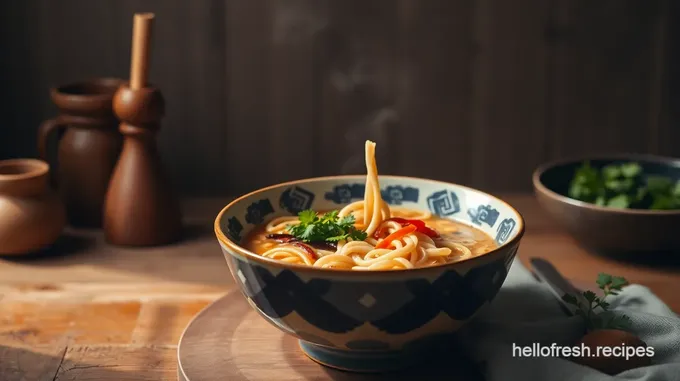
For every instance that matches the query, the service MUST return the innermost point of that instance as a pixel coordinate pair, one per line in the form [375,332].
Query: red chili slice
[419,224]
[428,231]
[384,244]
[380,233]
[309,250]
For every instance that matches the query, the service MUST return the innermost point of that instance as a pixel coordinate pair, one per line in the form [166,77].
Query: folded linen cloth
[525,313]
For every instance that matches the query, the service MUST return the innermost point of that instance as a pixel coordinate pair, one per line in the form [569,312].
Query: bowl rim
[224,240]
[34,168]
[543,168]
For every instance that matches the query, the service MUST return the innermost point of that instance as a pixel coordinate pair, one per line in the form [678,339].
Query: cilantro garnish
[326,228]
[624,186]
[610,285]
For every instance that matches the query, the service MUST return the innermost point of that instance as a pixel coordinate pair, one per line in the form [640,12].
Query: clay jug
[32,216]
[88,147]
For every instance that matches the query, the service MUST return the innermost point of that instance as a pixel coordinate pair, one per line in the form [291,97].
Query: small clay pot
[32,216]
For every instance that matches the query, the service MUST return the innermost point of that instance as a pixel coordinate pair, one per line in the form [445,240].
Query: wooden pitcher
[89,146]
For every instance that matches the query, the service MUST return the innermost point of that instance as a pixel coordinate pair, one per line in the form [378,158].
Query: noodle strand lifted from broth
[411,243]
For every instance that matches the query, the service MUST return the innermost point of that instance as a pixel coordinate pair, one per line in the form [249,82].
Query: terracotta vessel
[89,145]
[31,215]
[141,208]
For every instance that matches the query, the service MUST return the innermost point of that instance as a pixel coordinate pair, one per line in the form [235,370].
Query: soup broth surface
[477,241]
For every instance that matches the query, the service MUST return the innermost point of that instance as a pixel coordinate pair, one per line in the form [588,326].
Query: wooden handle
[141,40]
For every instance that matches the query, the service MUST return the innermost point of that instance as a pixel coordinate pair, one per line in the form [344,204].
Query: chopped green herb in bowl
[629,204]
[326,228]
[624,186]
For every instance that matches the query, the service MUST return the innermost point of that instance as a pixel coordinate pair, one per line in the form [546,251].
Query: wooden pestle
[141,40]
[140,207]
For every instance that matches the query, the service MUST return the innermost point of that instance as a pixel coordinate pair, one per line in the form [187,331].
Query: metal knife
[557,283]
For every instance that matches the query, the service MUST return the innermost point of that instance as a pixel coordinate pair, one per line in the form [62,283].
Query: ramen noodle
[393,238]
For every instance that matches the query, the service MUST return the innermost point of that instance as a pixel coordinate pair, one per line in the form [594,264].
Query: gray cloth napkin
[525,312]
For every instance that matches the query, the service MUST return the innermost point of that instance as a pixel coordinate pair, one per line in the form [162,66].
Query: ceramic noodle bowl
[369,321]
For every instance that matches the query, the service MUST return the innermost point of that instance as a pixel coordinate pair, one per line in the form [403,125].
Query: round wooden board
[229,340]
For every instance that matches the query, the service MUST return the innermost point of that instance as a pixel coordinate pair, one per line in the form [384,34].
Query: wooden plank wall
[261,91]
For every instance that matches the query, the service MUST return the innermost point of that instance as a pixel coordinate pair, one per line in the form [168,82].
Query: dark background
[474,92]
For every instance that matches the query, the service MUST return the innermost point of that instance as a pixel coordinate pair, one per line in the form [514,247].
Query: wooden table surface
[89,311]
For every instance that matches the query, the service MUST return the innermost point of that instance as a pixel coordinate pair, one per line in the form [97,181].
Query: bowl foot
[359,361]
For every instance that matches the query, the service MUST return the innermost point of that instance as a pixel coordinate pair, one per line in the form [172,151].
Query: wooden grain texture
[94,312]
[358,86]
[44,323]
[99,56]
[510,89]
[601,69]
[669,112]
[248,46]
[436,75]
[264,91]
[26,363]
[297,27]
[200,97]
[25,77]
[161,322]
[128,363]
[103,346]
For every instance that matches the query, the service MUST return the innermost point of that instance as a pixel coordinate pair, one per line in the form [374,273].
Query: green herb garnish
[610,285]
[624,186]
[326,228]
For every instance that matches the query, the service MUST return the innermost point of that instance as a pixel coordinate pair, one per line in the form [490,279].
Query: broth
[367,235]
[261,241]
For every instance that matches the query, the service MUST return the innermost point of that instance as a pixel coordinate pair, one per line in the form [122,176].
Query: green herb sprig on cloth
[610,285]
[624,186]
[326,228]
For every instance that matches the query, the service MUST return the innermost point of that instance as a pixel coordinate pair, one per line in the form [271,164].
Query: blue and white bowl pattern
[379,311]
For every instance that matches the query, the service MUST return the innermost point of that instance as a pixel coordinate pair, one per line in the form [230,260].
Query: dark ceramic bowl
[604,229]
[378,320]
